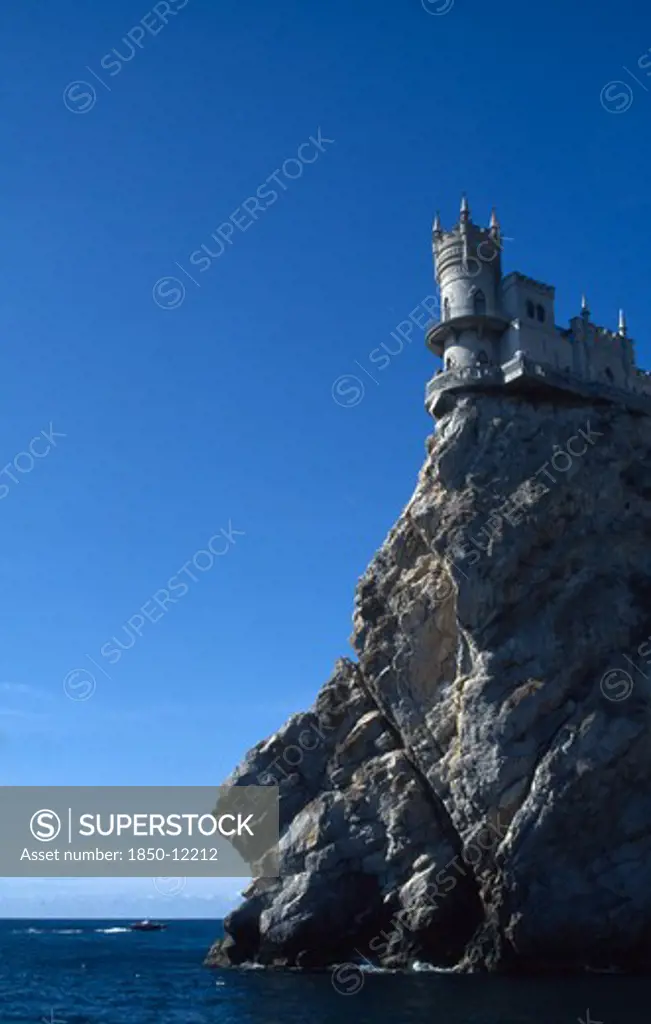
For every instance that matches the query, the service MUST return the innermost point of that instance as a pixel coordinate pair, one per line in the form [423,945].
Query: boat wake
[48,931]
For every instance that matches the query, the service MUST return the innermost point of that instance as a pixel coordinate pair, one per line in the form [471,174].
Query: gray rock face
[477,788]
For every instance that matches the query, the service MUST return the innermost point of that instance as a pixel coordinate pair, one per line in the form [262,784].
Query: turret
[467,261]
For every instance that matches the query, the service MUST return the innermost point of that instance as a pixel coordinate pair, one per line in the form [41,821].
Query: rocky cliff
[475,790]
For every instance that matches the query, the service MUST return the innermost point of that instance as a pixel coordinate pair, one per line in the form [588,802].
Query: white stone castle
[500,332]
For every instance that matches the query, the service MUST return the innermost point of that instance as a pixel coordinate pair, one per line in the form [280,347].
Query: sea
[78,972]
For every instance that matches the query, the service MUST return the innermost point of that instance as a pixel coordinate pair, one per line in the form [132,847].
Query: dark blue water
[94,972]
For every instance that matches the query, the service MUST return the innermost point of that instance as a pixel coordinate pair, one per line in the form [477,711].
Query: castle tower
[500,334]
[468,268]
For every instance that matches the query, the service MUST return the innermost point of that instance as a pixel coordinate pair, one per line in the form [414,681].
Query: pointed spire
[585,311]
[494,229]
[622,324]
[465,209]
[437,223]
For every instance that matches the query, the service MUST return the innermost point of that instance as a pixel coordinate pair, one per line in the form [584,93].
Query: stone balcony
[535,379]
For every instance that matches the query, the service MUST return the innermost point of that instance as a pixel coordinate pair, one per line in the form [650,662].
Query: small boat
[147,926]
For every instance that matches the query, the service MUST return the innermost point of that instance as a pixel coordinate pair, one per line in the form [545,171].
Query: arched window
[609,374]
[531,311]
[540,313]
[480,304]
[446,309]
[482,358]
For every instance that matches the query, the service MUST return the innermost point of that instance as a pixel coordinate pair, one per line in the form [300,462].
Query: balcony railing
[522,367]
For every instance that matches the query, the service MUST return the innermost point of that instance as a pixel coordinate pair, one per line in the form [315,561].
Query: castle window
[609,374]
[531,312]
[446,309]
[482,358]
[480,304]
[540,313]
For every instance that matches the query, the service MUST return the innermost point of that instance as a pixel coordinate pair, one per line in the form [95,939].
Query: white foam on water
[422,965]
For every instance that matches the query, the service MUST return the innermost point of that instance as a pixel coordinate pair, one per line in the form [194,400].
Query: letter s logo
[79,97]
[168,292]
[347,391]
[45,825]
[616,97]
[347,979]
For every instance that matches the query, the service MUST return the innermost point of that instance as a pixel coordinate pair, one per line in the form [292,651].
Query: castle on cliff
[499,331]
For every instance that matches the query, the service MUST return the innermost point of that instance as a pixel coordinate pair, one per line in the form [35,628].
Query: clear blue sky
[179,421]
